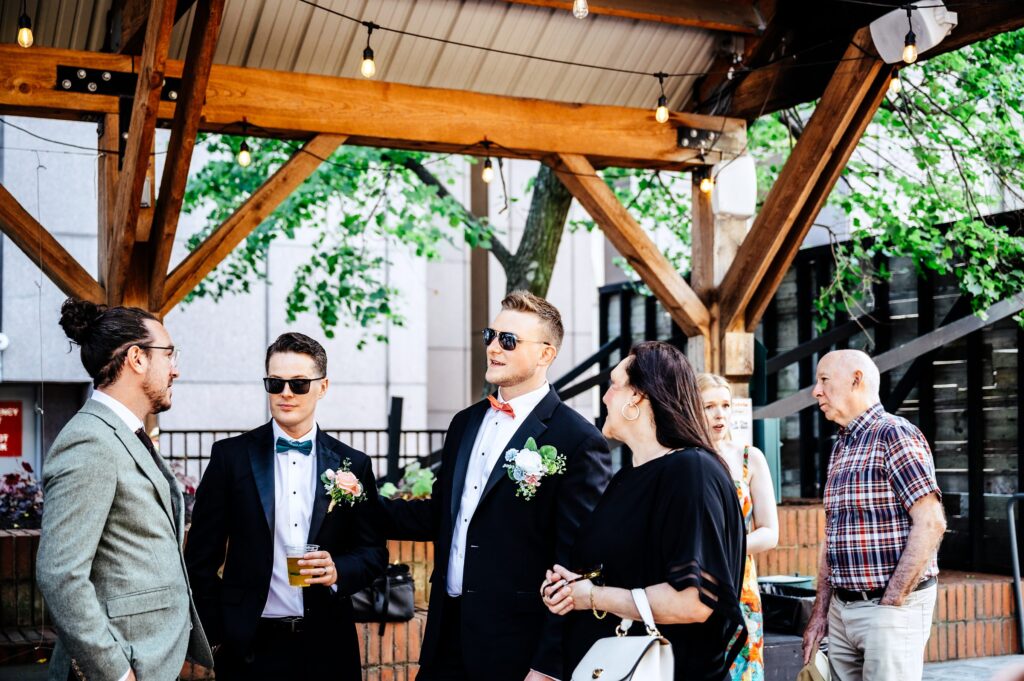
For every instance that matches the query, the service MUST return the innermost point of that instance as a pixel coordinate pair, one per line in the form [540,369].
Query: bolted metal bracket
[111,83]
[696,138]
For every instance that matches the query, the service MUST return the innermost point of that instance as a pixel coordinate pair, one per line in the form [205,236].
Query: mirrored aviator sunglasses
[506,339]
[299,386]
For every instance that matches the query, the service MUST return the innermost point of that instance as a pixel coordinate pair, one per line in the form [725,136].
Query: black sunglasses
[299,386]
[506,339]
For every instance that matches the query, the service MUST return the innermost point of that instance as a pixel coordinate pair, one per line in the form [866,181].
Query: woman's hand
[563,591]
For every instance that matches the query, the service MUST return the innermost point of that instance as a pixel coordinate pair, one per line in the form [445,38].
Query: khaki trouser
[872,642]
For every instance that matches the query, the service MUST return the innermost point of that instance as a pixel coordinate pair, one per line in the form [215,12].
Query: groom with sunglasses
[262,493]
[494,536]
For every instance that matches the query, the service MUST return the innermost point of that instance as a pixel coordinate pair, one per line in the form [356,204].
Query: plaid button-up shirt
[881,464]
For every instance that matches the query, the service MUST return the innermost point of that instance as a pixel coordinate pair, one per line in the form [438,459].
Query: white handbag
[621,657]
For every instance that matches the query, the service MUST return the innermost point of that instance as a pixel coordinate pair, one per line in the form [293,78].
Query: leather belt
[846,595]
[288,625]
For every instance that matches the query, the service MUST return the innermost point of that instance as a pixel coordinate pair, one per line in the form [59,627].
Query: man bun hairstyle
[104,334]
[524,301]
[301,344]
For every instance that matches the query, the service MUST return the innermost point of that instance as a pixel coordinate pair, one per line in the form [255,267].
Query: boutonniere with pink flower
[342,485]
[529,465]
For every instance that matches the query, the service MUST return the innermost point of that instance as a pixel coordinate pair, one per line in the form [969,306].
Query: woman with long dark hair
[671,525]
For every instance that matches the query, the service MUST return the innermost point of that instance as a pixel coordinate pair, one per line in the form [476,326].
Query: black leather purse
[391,598]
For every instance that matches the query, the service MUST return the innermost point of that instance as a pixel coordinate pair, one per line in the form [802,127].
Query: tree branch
[505,258]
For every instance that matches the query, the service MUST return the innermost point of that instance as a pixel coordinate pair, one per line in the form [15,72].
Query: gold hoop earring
[623,411]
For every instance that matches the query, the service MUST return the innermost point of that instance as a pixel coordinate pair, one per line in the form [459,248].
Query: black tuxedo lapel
[462,460]
[533,426]
[261,457]
[326,458]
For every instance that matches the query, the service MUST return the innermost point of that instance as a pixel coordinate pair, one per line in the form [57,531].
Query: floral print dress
[749,664]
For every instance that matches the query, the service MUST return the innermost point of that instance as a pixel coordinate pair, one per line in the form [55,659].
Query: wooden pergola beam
[390,115]
[40,246]
[739,16]
[127,27]
[806,180]
[139,146]
[202,43]
[787,82]
[264,201]
[629,238]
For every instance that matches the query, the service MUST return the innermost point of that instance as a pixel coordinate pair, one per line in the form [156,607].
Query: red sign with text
[10,428]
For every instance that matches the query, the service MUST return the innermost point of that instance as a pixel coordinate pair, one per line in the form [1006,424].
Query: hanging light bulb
[706,185]
[910,42]
[488,172]
[661,113]
[25,38]
[895,86]
[244,155]
[368,68]
[580,9]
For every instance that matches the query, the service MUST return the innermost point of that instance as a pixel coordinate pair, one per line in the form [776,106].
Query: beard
[507,377]
[159,397]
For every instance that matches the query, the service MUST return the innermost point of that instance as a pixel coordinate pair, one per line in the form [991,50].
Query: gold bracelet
[593,608]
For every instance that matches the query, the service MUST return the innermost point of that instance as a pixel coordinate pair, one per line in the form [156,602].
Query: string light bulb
[910,42]
[25,38]
[368,68]
[580,9]
[895,86]
[661,112]
[706,185]
[487,175]
[244,155]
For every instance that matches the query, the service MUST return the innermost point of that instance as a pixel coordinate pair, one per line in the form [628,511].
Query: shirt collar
[124,413]
[873,412]
[524,404]
[279,432]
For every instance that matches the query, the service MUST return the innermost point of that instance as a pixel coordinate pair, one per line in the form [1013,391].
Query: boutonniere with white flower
[529,465]
[343,486]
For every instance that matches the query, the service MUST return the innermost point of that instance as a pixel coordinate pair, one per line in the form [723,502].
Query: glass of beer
[295,552]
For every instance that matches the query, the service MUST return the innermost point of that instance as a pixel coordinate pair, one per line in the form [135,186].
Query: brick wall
[801,532]
[973,617]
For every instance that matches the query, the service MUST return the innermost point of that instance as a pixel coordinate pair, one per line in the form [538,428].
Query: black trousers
[279,655]
[448,664]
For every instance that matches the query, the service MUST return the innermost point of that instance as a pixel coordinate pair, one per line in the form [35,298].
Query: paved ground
[978,669]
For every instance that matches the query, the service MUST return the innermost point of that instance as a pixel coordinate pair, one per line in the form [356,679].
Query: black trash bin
[786,609]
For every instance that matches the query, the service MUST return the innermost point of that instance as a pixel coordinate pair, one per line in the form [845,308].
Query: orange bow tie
[501,406]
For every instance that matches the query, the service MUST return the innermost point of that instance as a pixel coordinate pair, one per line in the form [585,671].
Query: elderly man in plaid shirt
[884,523]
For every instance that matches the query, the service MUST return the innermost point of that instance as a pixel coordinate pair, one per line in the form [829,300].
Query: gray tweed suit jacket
[109,564]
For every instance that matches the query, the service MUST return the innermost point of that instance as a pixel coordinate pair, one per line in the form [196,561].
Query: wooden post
[479,290]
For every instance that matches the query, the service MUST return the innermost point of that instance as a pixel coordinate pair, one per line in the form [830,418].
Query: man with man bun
[110,565]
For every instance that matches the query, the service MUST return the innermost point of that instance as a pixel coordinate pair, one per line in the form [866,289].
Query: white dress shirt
[294,488]
[488,451]
[124,413]
[133,422]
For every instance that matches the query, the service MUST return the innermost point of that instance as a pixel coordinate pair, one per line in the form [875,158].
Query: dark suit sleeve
[409,519]
[207,542]
[587,474]
[365,553]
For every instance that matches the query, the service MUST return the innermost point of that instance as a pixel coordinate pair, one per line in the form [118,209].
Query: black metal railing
[189,450]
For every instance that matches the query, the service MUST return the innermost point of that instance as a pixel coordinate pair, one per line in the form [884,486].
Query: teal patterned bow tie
[284,445]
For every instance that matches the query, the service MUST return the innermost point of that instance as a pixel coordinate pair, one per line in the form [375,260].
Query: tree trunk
[531,267]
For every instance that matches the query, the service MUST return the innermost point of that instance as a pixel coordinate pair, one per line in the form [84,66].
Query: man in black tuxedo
[486,619]
[261,492]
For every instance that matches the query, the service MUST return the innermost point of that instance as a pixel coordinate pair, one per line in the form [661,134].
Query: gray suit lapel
[158,474]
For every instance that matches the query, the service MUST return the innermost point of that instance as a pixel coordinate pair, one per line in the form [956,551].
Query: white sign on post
[742,424]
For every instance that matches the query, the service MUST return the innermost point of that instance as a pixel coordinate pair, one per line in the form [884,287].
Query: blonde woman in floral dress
[754,487]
